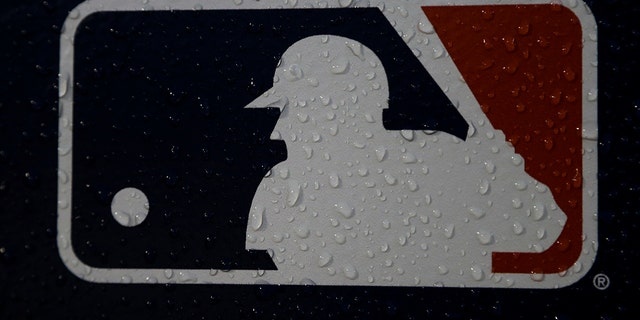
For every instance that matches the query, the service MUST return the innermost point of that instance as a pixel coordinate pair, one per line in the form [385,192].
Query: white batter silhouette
[357,203]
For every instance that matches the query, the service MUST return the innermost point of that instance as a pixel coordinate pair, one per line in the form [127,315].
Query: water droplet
[316,137]
[356,49]
[516,203]
[187,276]
[449,230]
[413,186]
[381,153]
[325,100]
[350,271]
[443,270]
[334,180]
[484,237]
[538,277]
[520,185]
[489,166]
[539,211]
[425,26]
[257,216]
[477,273]
[518,228]
[64,150]
[523,27]
[302,232]
[476,212]
[333,130]
[577,267]
[510,44]
[63,177]
[369,118]
[303,117]
[340,238]
[359,145]
[308,151]
[390,179]
[472,130]
[590,134]
[409,158]
[438,51]
[339,65]
[313,82]
[541,188]
[277,238]
[293,73]
[516,160]
[407,134]
[284,173]
[484,187]
[408,35]
[294,193]
[74,14]
[63,85]
[324,259]
[569,74]
[548,143]
[63,242]
[344,209]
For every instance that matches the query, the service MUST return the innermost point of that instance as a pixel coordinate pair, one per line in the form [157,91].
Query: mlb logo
[405,144]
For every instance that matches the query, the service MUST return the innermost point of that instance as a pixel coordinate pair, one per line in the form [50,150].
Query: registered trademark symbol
[601,281]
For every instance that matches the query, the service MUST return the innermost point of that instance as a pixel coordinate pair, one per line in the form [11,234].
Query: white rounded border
[457,93]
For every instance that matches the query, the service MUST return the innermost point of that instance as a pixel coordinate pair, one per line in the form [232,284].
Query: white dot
[130,207]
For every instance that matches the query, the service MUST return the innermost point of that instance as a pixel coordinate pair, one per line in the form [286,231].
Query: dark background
[35,284]
[159,105]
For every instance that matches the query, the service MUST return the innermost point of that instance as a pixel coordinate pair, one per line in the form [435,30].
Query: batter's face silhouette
[356,201]
[315,85]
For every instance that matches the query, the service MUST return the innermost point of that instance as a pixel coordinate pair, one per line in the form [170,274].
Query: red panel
[523,64]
